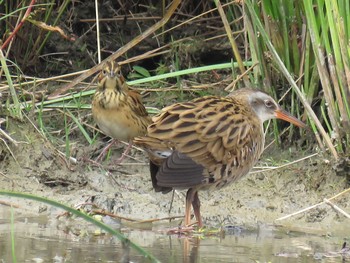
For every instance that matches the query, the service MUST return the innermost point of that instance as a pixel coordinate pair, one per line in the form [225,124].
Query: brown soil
[126,190]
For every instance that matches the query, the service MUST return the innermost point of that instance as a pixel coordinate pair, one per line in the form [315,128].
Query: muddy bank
[255,201]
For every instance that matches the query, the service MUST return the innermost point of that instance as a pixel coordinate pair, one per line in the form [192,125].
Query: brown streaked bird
[208,143]
[118,110]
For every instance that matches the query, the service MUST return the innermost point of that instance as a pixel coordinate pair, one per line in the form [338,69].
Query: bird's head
[266,107]
[110,77]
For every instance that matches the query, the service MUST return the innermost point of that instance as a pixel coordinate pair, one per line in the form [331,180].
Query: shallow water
[39,239]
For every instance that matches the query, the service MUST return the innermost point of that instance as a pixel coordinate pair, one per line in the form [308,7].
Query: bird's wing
[136,103]
[209,130]
[199,135]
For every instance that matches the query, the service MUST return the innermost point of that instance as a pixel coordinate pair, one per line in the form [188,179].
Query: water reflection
[39,239]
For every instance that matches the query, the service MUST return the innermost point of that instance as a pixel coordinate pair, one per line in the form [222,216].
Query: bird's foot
[187,229]
[195,230]
[181,230]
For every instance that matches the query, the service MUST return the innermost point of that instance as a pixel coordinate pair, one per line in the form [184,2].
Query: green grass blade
[7,15]
[13,246]
[81,128]
[16,104]
[67,131]
[87,218]
[187,71]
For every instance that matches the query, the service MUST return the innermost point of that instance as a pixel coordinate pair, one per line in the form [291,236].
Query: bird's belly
[224,179]
[224,182]
[114,127]
[115,131]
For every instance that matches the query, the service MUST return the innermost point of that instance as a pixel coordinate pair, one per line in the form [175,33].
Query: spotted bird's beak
[286,116]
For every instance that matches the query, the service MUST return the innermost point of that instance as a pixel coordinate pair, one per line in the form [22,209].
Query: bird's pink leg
[124,154]
[192,198]
[196,204]
[105,149]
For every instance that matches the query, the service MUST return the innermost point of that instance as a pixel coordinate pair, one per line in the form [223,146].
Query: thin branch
[336,208]
[98,32]
[313,206]
[284,165]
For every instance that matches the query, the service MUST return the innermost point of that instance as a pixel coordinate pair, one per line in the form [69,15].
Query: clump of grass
[15,107]
[32,22]
[305,54]
[332,62]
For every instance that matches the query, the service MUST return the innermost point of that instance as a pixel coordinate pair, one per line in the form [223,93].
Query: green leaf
[142,71]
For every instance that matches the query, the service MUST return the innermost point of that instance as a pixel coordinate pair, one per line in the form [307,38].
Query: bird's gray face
[263,105]
[267,108]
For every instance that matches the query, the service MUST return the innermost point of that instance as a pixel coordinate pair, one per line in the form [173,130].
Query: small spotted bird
[208,143]
[118,110]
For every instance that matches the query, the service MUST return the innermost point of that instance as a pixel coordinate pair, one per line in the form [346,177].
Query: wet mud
[256,200]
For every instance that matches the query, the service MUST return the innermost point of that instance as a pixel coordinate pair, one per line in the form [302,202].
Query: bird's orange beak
[286,116]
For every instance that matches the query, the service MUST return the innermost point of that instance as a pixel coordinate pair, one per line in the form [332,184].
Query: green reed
[311,40]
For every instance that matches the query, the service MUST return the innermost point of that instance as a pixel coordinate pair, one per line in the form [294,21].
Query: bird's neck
[110,98]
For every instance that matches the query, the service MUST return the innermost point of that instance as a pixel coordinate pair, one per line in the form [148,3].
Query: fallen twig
[336,208]
[313,206]
[8,204]
[102,212]
[159,219]
[263,169]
